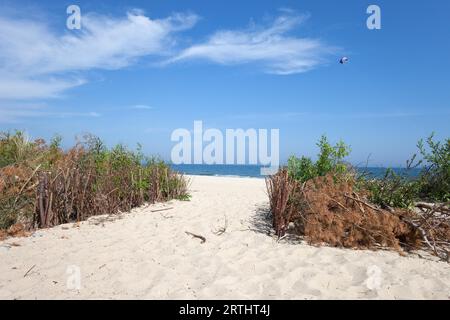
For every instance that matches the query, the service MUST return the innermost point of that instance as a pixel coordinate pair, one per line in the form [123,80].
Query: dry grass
[43,186]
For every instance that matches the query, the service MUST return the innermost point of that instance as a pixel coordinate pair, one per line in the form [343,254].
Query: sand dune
[146,254]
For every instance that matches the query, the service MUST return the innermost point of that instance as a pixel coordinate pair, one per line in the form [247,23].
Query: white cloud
[295,116]
[269,116]
[13,113]
[19,87]
[36,62]
[269,46]
[142,107]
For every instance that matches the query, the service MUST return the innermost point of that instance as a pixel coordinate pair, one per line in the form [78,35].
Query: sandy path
[148,255]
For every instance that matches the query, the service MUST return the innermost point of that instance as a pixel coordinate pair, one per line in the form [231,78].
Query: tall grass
[41,185]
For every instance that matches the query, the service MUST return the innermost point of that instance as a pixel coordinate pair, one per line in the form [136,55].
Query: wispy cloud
[141,107]
[268,116]
[19,87]
[295,116]
[378,115]
[269,46]
[14,113]
[371,115]
[37,62]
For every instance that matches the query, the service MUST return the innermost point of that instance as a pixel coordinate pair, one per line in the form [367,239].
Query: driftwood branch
[442,208]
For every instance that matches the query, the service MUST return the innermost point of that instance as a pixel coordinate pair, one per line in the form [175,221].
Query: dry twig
[203,239]
[29,270]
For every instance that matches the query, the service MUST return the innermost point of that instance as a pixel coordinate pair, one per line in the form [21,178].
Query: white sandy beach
[148,255]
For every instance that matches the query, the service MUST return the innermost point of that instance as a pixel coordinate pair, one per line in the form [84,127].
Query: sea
[254,171]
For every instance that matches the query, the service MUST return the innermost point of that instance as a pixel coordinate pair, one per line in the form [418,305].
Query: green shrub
[394,190]
[434,180]
[432,184]
[330,159]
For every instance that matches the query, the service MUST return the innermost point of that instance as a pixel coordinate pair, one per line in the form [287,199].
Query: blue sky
[140,69]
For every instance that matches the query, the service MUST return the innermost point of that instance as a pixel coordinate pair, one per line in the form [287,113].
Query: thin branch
[202,238]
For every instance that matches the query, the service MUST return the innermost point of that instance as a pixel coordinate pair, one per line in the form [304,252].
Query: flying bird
[343,60]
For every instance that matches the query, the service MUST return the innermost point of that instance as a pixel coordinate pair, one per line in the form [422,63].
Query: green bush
[330,159]
[434,180]
[394,190]
[432,184]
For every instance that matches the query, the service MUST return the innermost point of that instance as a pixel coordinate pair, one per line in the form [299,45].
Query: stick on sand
[159,210]
[29,270]
[196,236]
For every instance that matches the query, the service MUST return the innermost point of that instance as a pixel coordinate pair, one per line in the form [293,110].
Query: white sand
[148,255]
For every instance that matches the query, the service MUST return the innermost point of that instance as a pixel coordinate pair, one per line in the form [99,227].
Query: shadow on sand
[261,222]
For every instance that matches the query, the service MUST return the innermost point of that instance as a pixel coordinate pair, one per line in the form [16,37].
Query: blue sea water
[219,170]
[255,170]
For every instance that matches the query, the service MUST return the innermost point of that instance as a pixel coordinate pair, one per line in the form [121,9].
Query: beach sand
[147,254]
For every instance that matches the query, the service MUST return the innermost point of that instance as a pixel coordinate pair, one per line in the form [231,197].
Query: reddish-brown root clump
[327,210]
